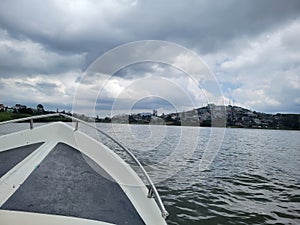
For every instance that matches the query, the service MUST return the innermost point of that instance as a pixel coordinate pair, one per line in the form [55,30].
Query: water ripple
[254,179]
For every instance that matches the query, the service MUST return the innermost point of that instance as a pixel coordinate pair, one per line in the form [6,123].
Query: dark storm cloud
[57,40]
[205,25]
[73,28]
[57,25]
[209,25]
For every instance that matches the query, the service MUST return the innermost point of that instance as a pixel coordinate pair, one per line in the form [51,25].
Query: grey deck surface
[65,184]
[10,158]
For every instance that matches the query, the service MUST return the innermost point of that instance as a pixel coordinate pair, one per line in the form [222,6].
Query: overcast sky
[252,48]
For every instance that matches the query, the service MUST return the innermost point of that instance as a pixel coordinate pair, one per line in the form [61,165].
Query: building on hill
[19,107]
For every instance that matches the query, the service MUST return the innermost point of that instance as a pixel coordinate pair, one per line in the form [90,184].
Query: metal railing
[152,189]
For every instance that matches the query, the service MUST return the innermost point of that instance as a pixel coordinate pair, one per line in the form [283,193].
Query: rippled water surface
[254,177]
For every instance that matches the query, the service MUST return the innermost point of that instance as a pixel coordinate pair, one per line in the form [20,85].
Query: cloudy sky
[249,53]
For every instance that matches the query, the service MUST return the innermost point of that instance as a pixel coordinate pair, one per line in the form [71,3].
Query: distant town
[210,115]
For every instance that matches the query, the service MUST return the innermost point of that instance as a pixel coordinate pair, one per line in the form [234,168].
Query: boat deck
[68,183]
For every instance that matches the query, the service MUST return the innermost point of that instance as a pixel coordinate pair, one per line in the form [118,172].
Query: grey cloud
[51,37]
[148,68]
[151,103]
[52,25]
[205,25]
[147,104]
[43,87]
[20,57]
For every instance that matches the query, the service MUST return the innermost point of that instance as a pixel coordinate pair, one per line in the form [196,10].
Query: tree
[40,108]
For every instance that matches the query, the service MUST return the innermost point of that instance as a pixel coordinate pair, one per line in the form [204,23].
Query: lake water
[249,176]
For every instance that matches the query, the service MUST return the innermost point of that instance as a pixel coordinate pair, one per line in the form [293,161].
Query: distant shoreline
[209,116]
[62,119]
